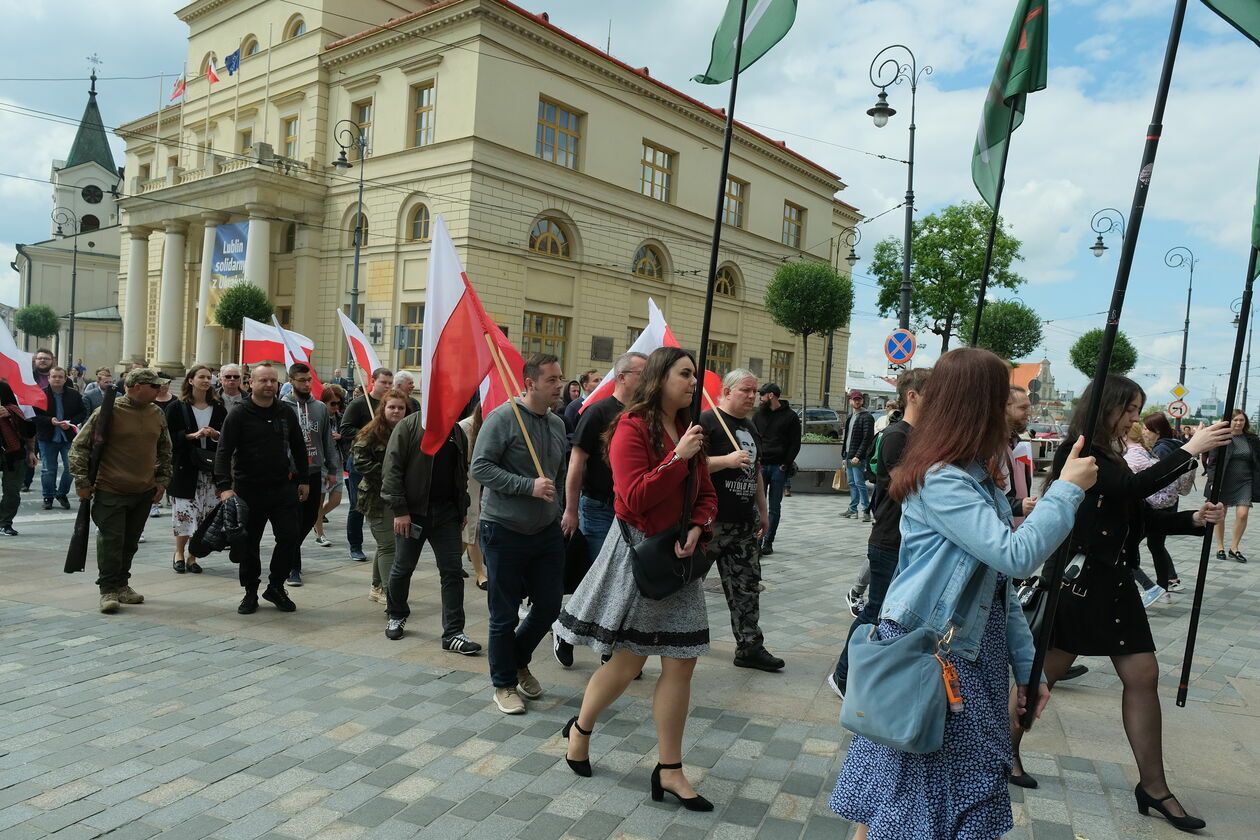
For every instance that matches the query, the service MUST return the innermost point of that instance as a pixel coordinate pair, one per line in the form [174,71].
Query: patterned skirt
[188,514]
[958,792]
[607,612]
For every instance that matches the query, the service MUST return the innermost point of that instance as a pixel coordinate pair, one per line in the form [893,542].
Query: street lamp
[893,71]
[850,236]
[349,134]
[1176,258]
[1105,221]
[61,217]
[1236,307]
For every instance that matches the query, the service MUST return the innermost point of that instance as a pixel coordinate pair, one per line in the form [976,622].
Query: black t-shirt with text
[597,481]
[736,487]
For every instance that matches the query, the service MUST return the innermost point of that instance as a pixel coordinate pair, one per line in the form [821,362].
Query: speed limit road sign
[1178,409]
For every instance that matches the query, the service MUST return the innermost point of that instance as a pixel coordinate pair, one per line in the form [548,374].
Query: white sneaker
[1166,598]
[522,612]
[831,683]
[321,540]
[1174,585]
[155,511]
[1152,595]
[139,540]
[855,602]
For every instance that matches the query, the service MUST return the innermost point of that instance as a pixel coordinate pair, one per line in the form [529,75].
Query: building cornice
[202,7]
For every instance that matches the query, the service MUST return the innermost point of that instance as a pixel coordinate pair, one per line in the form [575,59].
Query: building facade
[574,187]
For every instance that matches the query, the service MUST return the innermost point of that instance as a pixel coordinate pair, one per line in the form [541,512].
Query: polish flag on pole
[211,73]
[455,356]
[15,366]
[364,356]
[264,343]
[294,353]
[493,393]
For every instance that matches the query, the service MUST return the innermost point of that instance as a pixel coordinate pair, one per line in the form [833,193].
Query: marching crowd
[624,503]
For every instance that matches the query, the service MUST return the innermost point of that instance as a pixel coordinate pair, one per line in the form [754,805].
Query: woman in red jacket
[653,448]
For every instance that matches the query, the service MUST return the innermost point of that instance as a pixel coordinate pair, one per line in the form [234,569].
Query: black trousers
[277,504]
[442,530]
[309,513]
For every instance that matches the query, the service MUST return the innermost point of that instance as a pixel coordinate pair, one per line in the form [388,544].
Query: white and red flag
[181,86]
[294,352]
[493,393]
[364,356]
[211,73]
[264,343]
[16,368]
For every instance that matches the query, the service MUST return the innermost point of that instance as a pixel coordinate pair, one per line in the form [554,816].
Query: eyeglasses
[155,387]
[229,376]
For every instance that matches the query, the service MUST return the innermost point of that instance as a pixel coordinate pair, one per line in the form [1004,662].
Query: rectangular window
[413,320]
[284,314]
[545,334]
[422,114]
[781,369]
[289,131]
[793,224]
[658,172]
[245,140]
[361,113]
[733,204]
[632,335]
[145,172]
[172,162]
[356,317]
[721,357]
[559,131]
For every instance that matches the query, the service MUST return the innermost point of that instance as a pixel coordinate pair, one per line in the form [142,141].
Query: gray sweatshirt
[502,465]
[312,417]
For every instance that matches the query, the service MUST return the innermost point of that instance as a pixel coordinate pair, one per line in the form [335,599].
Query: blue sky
[1076,153]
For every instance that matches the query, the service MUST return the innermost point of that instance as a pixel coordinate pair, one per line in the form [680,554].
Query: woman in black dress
[1241,483]
[1100,612]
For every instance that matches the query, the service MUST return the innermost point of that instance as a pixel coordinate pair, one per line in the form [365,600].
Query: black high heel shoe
[695,803]
[1145,802]
[583,767]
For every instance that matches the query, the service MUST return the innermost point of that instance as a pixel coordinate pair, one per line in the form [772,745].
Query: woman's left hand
[693,539]
[1210,513]
[1021,702]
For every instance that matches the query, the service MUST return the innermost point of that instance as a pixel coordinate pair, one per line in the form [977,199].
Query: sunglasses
[230,376]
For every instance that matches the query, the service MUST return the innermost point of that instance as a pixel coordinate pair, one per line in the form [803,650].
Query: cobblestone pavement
[180,718]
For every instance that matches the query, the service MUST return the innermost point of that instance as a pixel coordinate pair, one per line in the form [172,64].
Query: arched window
[251,46]
[290,238]
[355,221]
[648,262]
[89,222]
[549,237]
[296,27]
[418,227]
[726,285]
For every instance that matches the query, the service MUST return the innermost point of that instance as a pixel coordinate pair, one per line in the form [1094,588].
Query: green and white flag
[1243,14]
[1021,70]
[767,22]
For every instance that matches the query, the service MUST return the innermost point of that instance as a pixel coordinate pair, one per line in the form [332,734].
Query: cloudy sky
[1077,152]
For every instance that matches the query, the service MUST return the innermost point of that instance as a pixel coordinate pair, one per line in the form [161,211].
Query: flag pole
[205,154]
[1214,495]
[501,366]
[721,422]
[266,114]
[157,132]
[993,223]
[236,106]
[179,140]
[1141,187]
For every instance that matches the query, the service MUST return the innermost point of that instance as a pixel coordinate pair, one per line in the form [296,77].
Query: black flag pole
[993,223]
[1057,562]
[1214,494]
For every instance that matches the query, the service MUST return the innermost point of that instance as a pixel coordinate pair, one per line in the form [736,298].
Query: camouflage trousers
[737,555]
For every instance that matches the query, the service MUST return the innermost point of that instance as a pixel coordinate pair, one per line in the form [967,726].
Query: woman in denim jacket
[958,556]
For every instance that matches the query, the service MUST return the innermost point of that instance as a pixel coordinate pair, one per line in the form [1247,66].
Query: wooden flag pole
[501,366]
[721,422]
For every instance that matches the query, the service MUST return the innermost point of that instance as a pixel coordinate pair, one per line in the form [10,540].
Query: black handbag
[577,561]
[658,571]
[1032,597]
[201,457]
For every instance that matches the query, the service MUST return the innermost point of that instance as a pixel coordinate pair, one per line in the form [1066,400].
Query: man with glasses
[325,460]
[134,470]
[230,381]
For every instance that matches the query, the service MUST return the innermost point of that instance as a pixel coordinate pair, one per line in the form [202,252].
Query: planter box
[820,456]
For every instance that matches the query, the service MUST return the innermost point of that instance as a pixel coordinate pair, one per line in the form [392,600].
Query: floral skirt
[188,514]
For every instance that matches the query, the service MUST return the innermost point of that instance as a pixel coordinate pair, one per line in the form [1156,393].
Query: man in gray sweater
[520,527]
[324,457]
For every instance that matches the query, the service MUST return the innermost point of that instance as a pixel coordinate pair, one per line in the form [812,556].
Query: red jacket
[649,490]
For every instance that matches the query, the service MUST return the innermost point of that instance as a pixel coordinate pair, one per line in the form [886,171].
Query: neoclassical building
[574,186]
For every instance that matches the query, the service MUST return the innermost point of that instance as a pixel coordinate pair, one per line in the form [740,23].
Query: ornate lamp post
[349,134]
[1176,258]
[63,216]
[891,71]
[1104,222]
[850,236]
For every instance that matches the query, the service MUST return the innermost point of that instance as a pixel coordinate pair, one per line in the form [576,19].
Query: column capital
[141,232]
[176,226]
[260,211]
[214,218]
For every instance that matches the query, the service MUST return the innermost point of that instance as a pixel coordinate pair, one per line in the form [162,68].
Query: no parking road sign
[1178,409]
[899,346]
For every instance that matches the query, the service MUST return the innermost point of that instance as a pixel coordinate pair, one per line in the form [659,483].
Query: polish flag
[364,356]
[15,367]
[211,73]
[455,357]
[181,86]
[493,393]
[294,353]
[266,343]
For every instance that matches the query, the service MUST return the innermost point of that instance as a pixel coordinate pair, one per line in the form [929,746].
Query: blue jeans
[354,519]
[883,563]
[49,454]
[857,487]
[520,566]
[595,519]
[773,476]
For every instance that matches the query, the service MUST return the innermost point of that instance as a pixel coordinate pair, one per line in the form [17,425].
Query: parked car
[1045,439]
[823,421]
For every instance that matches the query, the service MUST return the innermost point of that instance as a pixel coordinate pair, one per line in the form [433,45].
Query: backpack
[872,463]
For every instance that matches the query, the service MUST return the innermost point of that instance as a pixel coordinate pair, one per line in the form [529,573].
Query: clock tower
[85,181]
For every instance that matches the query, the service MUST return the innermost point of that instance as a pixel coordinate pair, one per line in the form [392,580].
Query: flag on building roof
[766,24]
[181,85]
[232,61]
[16,367]
[211,73]
[1021,70]
[1244,15]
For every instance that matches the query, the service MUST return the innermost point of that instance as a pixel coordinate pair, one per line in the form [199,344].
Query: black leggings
[1164,570]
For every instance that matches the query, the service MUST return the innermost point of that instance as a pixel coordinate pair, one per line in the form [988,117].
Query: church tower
[85,181]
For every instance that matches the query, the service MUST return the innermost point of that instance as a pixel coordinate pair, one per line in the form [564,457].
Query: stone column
[136,314]
[258,249]
[209,334]
[306,284]
[171,311]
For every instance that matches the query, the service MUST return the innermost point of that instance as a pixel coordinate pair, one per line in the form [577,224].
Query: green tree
[243,300]
[947,262]
[38,320]
[809,298]
[1084,354]
[1009,328]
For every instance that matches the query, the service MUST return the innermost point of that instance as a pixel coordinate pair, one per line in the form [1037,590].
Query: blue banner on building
[228,267]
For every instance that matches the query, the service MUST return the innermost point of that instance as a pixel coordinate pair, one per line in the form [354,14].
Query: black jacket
[260,447]
[25,428]
[780,433]
[1222,454]
[180,421]
[859,444]
[73,411]
[224,527]
[406,473]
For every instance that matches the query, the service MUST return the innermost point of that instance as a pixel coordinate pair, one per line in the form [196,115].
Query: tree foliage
[945,267]
[1009,328]
[1084,354]
[809,298]
[243,300]
[38,320]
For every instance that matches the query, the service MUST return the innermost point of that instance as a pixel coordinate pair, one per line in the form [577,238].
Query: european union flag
[233,62]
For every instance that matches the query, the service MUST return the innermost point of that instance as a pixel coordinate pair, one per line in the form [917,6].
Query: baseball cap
[856,393]
[770,388]
[143,376]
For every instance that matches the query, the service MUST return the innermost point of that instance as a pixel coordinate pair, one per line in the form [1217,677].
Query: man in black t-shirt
[742,516]
[884,546]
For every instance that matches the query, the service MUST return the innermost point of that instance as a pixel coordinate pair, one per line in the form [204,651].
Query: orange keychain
[953,689]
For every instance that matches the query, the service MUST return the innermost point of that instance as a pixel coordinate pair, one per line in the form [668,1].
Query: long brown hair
[964,421]
[1101,442]
[186,391]
[377,431]
[646,402]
